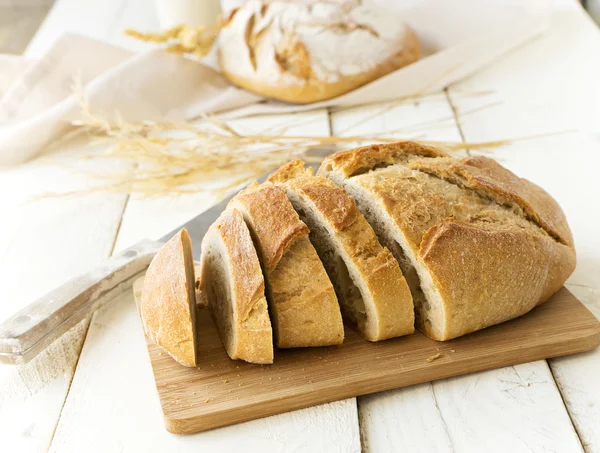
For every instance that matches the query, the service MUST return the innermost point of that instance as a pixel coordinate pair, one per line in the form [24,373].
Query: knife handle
[29,331]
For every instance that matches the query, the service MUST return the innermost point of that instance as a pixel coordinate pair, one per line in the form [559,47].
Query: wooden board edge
[588,340]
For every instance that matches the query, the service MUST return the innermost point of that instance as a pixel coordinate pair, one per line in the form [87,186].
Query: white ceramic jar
[190,12]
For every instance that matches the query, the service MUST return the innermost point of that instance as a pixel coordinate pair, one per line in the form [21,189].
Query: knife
[29,331]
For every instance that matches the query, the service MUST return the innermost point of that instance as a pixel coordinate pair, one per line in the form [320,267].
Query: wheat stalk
[183,39]
[169,157]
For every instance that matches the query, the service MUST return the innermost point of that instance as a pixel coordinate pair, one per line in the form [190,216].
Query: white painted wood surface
[577,378]
[43,244]
[548,85]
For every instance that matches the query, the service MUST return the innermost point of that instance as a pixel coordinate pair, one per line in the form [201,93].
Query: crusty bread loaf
[477,245]
[302,301]
[233,285]
[168,304]
[306,51]
[371,289]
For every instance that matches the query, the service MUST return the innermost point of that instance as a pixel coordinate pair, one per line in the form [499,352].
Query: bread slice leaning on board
[302,301]
[371,289]
[168,303]
[233,285]
[477,244]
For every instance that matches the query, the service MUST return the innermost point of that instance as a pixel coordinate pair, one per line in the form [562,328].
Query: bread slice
[233,285]
[302,302]
[371,289]
[168,303]
[477,245]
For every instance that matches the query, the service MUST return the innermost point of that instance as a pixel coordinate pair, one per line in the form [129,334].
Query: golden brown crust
[279,227]
[248,284]
[292,169]
[168,303]
[360,160]
[335,202]
[302,301]
[304,306]
[493,244]
[315,90]
[387,289]
[489,177]
[487,276]
[250,337]
[332,201]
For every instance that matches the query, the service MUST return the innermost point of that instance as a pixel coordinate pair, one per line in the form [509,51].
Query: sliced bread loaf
[477,244]
[302,302]
[168,304]
[371,289]
[233,285]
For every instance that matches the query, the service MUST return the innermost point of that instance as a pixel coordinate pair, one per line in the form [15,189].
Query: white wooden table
[94,391]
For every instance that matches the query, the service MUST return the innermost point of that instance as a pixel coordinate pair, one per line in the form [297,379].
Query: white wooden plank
[43,244]
[32,396]
[577,377]
[387,425]
[556,88]
[114,379]
[515,409]
[471,414]
[511,409]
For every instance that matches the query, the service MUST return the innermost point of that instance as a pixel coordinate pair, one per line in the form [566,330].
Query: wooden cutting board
[223,392]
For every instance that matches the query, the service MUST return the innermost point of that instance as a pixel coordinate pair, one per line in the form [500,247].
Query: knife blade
[29,331]
[199,225]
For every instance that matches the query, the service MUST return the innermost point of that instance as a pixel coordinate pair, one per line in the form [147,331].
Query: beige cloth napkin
[38,104]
